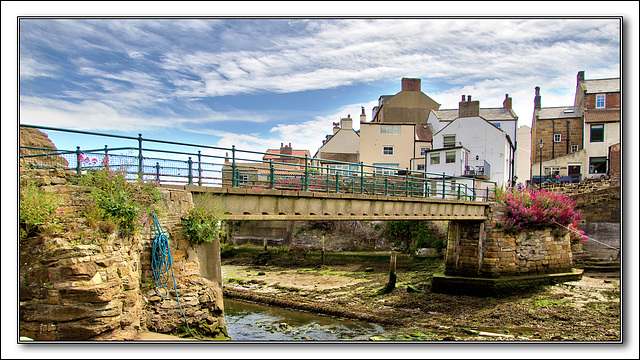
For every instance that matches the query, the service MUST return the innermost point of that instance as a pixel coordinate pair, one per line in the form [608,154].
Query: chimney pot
[463,96]
[468,97]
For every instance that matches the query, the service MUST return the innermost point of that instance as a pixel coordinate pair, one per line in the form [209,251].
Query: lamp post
[541,144]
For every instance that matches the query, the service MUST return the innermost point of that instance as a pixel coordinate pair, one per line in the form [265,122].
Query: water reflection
[254,322]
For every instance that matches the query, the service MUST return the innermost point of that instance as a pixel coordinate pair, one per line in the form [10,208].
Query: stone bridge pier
[486,261]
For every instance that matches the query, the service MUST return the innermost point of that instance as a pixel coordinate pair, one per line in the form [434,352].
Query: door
[574,172]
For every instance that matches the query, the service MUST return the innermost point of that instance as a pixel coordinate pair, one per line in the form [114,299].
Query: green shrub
[128,205]
[201,224]
[37,208]
[412,235]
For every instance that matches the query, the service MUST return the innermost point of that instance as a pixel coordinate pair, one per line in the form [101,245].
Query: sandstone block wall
[104,290]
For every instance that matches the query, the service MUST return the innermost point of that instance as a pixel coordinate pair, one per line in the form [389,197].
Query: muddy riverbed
[348,287]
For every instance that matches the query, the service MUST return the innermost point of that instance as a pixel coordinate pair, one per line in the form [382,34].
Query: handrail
[280,172]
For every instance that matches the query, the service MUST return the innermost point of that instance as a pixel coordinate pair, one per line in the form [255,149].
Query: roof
[489,114]
[423,132]
[602,85]
[599,116]
[345,157]
[562,112]
[300,153]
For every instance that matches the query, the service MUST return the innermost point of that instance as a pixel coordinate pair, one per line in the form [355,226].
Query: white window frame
[379,171]
[423,150]
[386,147]
[575,148]
[389,129]
[557,137]
[340,169]
[601,101]
[243,179]
[446,157]
[444,141]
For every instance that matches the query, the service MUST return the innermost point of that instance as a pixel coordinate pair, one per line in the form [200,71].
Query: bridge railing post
[373,183]
[78,160]
[328,180]
[233,166]
[473,190]
[190,175]
[105,161]
[272,183]
[427,190]
[306,173]
[199,168]
[406,182]
[361,178]
[386,186]
[337,182]
[157,172]
[443,186]
[458,191]
[140,172]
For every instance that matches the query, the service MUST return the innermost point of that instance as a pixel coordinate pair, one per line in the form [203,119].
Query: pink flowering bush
[535,210]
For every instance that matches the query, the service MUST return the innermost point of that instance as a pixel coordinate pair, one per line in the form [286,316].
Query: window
[597,165]
[450,157]
[390,129]
[551,171]
[380,171]
[243,179]
[498,125]
[557,137]
[597,133]
[574,148]
[423,150]
[387,150]
[448,141]
[435,159]
[601,101]
[420,167]
[339,168]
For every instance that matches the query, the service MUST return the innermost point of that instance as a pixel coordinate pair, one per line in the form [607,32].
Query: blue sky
[255,83]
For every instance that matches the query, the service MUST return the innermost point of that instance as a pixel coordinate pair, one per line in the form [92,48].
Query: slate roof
[423,132]
[559,112]
[602,85]
[490,114]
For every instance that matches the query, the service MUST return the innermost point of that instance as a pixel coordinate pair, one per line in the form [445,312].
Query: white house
[489,149]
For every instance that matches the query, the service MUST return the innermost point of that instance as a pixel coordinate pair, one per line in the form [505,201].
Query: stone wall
[476,249]
[103,290]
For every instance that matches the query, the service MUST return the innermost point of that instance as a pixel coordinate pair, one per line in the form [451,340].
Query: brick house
[576,139]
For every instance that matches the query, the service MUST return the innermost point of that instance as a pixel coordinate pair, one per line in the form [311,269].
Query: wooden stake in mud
[392,275]
[264,242]
[322,253]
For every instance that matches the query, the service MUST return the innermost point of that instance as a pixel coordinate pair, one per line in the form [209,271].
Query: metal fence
[205,165]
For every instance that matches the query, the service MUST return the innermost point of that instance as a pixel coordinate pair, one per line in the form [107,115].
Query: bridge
[262,186]
[268,204]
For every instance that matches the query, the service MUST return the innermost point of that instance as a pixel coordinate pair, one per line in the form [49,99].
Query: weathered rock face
[38,140]
[104,291]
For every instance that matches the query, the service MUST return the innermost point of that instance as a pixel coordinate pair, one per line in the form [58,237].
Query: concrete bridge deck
[266,204]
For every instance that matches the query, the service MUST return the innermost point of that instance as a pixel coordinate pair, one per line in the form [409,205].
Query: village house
[578,142]
[470,145]
[343,146]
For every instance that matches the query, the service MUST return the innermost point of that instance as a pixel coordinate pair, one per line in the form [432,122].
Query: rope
[161,263]
[592,239]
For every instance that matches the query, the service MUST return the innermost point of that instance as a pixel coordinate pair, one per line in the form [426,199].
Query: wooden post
[392,275]
[264,243]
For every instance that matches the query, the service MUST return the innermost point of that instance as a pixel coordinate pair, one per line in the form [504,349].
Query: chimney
[336,127]
[346,123]
[580,77]
[411,84]
[507,103]
[536,99]
[286,150]
[468,108]
[363,117]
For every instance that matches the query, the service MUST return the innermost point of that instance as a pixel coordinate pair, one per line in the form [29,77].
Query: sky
[255,83]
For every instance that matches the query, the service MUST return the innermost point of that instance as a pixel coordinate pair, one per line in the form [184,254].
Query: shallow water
[254,322]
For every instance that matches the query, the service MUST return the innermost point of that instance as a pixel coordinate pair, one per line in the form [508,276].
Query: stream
[255,322]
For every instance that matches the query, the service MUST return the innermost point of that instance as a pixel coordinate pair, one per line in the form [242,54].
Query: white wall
[481,139]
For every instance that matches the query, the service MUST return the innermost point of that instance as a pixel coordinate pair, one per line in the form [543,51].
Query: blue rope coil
[161,264]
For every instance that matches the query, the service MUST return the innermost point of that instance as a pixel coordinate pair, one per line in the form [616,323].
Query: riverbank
[348,286]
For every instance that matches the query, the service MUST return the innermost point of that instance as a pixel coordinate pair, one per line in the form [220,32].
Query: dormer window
[568,111]
[601,101]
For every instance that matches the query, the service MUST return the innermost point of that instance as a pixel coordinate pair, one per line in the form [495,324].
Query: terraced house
[580,141]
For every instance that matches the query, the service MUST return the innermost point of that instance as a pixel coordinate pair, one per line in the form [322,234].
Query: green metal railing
[205,165]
